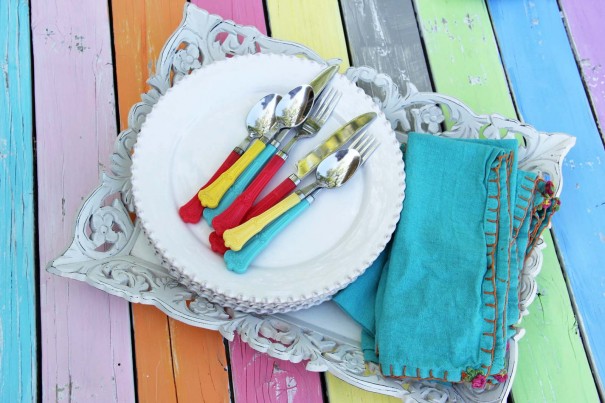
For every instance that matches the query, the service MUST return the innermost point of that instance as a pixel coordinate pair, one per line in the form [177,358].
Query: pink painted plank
[86,347]
[585,23]
[256,376]
[260,378]
[243,12]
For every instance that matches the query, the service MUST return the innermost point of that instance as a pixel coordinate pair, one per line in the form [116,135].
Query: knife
[305,166]
[308,163]
[191,212]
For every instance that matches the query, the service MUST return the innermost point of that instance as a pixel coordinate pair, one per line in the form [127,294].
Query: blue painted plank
[17,263]
[548,89]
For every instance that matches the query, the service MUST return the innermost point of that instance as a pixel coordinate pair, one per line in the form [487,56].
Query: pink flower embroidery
[501,378]
[479,381]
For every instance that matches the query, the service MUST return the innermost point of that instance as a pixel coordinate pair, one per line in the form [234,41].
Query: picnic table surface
[70,72]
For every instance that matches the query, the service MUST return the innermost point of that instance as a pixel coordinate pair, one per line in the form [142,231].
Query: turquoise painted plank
[548,89]
[17,263]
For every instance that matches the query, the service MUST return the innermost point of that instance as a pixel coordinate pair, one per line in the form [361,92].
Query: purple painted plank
[83,360]
[585,23]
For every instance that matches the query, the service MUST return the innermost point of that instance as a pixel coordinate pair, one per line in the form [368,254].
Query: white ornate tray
[110,252]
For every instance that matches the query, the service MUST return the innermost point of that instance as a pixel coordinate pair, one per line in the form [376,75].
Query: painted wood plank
[86,347]
[464,60]
[252,377]
[259,378]
[341,392]
[174,361]
[384,34]
[552,360]
[314,23]
[140,29]
[585,22]
[243,12]
[18,361]
[549,93]
[200,365]
[318,25]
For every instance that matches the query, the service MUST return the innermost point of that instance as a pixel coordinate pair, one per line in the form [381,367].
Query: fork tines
[365,144]
[327,102]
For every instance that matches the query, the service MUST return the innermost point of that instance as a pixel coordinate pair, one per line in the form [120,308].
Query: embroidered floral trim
[476,377]
[478,380]
[549,198]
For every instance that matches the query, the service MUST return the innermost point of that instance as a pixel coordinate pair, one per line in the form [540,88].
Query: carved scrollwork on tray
[103,249]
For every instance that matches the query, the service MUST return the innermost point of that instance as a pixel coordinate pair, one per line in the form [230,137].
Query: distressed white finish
[110,253]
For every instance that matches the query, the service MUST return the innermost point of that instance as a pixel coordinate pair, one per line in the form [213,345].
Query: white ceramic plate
[189,133]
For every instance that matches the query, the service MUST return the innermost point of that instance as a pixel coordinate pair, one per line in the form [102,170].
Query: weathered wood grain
[86,348]
[173,360]
[18,361]
[585,23]
[260,378]
[251,372]
[465,63]
[341,392]
[200,366]
[318,25]
[140,29]
[243,12]
[383,34]
[549,93]
[314,23]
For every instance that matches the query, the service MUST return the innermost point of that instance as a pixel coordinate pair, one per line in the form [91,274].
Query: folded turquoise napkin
[445,296]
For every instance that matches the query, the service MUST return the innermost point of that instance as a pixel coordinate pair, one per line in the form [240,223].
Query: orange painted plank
[140,29]
[200,364]
[155,377]
[191,366]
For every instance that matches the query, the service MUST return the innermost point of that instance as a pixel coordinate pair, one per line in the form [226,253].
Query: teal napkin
[447,295]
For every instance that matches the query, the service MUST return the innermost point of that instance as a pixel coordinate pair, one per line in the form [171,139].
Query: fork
[238,201]
[239,261]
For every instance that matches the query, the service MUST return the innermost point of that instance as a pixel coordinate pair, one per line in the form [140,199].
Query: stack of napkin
[442,300]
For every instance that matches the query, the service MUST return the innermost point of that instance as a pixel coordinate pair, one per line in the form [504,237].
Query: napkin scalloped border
[107,256]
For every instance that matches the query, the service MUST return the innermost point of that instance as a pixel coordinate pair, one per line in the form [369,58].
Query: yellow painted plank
[317,24]
[313,23]
[341,392]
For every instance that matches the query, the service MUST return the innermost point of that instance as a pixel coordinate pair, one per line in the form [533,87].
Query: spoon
[234,214]
[259,121]
[290,113]
[333,172]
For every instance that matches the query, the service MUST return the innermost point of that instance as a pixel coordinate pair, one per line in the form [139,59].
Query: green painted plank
[17,262]
[465,63]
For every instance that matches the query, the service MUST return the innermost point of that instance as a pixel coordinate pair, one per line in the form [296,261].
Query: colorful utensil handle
[270,200]
[236,238]
[217,244]
[240,184]
[191,212]
[234,214]
[212,195]
[239,261]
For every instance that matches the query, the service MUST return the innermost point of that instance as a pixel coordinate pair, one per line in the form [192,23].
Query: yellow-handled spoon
[290,112]
[334,171]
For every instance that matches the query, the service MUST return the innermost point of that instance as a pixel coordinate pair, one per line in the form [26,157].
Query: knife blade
[309,162]
[320,82]
[340,137]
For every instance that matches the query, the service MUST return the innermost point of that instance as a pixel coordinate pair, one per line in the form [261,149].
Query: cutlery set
[243,229]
